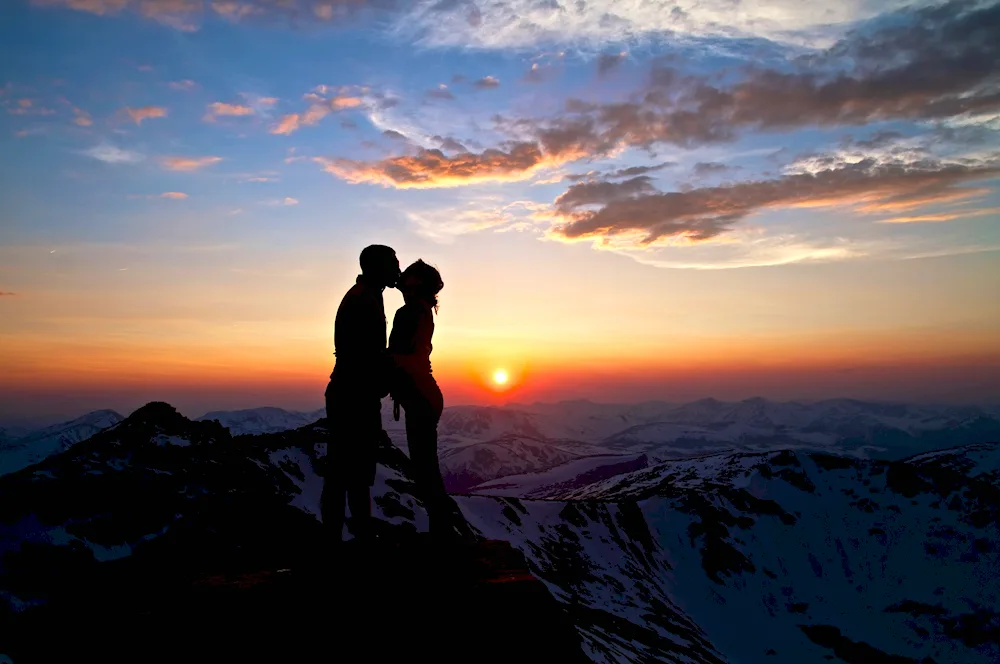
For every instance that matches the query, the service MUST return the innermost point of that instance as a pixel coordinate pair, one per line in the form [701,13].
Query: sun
[500,377]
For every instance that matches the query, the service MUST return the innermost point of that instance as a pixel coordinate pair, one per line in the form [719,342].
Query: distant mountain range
[19,449]
[547,445]
[779,555]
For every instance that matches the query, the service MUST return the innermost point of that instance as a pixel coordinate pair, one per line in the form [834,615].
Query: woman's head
[422,282]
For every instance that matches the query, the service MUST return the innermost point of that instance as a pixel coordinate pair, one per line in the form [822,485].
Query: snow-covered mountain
[267,419]
[479,444]
[779,556]
[20,452]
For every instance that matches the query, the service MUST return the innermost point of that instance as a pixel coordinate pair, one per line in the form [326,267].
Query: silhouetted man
[354,396]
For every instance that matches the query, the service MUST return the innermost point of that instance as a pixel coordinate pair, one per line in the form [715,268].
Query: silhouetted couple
[365,371]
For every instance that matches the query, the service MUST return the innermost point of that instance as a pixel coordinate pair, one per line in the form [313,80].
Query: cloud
[288,201]
[110,154]
[943,216]
[7,294]
[534,74]
[440,92]
[186,15]
[934,63]
[81,117]
[174,195]
[219,108]
[287,124]
[628,209]
[145,113]
[188,163]
[185,85]
[343,102]
[630,172]
[703,168]
[529,24]
[486,83]
[432,168]
[444,225]
[395,135]
[449,144]
[318,109]
[607,62]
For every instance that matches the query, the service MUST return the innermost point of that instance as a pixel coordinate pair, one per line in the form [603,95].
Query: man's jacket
[359,341]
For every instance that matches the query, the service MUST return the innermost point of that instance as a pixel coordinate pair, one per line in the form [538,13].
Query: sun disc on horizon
[500,377]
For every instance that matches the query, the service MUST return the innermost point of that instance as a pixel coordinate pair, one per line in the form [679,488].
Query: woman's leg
[422,418]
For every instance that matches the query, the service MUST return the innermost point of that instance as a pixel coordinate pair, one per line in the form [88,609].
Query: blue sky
[173,170]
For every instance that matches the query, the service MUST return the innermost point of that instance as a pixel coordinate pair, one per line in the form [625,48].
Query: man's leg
[360,501]
[331,502]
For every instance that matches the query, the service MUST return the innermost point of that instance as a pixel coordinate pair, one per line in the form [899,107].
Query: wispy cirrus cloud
[943,216]
[187,163]
[476,215]
[138,115]
[174,195]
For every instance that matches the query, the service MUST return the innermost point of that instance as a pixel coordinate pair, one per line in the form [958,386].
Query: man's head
[380,265]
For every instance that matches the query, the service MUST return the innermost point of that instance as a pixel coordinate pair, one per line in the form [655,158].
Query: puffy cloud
[432,168]
[188,163]
[218,108]
[145,113]
[628,209]
[487,83]
[174,195]
[110,154]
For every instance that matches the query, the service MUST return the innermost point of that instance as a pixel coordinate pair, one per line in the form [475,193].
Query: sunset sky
[628,201]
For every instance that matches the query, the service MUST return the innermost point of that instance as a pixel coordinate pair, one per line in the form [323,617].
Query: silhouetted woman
[415,389]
